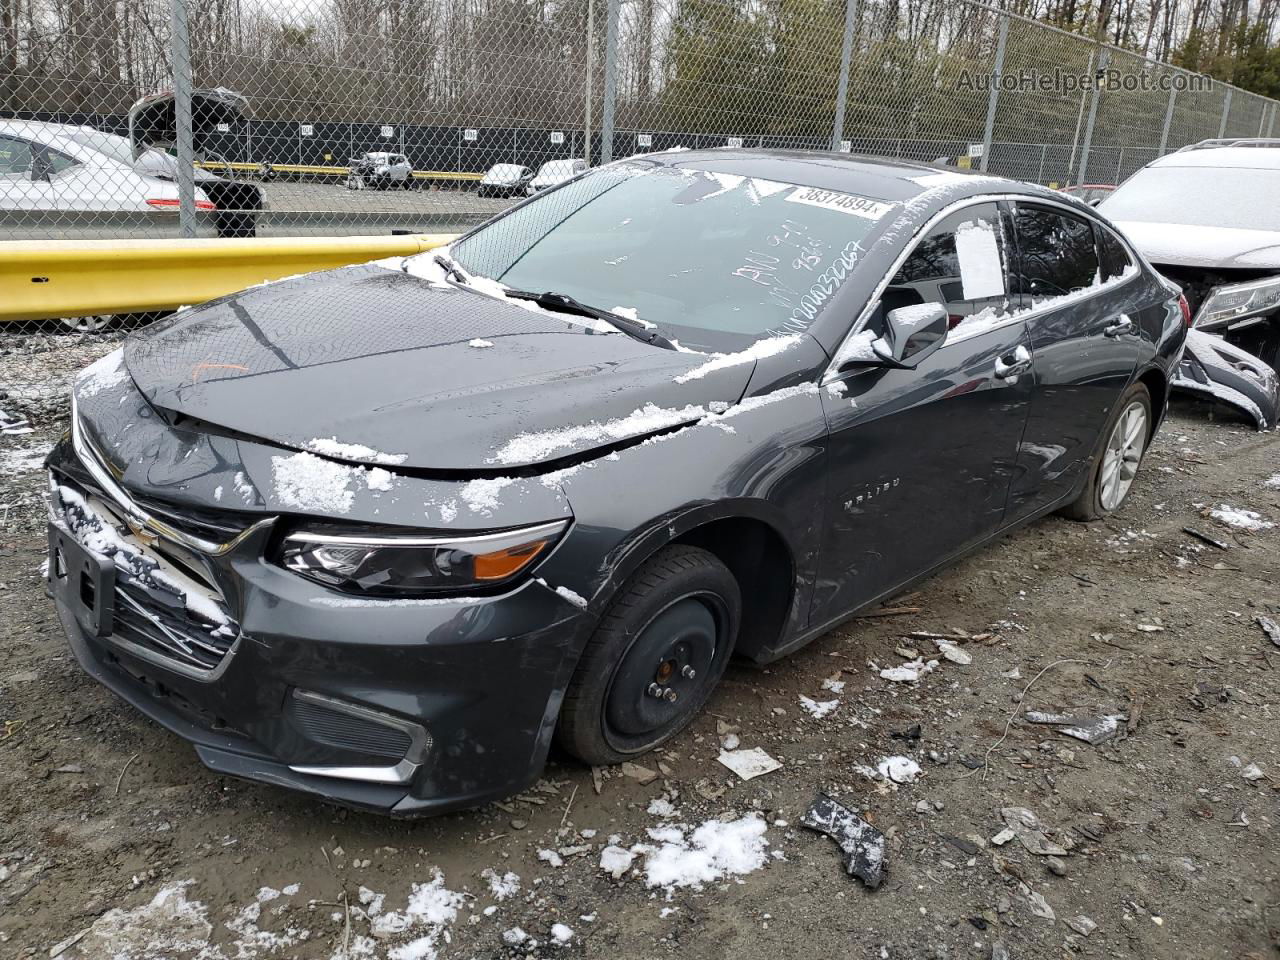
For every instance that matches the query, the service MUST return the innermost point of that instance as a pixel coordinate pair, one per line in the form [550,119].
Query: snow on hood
[1192,246]
[375,366]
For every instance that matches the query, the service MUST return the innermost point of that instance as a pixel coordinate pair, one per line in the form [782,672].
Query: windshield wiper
[550,300]
[452,268]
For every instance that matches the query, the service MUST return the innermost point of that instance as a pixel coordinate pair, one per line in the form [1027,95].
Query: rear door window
[1056,254]
[1115,258]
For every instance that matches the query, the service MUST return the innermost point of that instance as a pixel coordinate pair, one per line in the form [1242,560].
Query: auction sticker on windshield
[842,202]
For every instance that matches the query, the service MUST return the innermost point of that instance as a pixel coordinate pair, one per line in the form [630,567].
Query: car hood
[371,364]
[1191,246]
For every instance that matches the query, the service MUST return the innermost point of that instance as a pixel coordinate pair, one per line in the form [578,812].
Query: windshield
[1199,196]
[712,259]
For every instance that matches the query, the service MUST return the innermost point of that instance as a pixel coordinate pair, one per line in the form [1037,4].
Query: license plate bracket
[84,581]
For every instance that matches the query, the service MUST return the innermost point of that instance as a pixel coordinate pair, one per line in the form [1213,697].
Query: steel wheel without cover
[662,678]
[1122,455]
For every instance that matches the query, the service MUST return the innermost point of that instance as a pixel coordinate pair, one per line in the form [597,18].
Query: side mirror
[911,334]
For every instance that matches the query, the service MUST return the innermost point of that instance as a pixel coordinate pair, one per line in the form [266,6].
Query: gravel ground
[112,832]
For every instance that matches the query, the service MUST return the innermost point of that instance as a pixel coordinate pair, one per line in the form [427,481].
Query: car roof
[1222,157]
[881,178]
[55,135]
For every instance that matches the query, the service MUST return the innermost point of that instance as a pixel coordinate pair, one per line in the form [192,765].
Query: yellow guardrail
[49,279]
[323,171]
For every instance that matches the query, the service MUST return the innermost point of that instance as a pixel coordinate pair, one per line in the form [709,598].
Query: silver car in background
[554,172]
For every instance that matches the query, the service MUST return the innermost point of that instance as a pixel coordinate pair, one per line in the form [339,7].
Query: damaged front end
[1211,367]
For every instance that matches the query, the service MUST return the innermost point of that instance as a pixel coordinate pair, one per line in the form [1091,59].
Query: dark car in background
[686,407]
[1209,219]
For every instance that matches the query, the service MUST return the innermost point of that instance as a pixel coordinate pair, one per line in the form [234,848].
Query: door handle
[1122,326]
[1012,364]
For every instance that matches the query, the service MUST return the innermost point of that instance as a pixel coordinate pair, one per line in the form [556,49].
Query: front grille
[157,591]
[139,619]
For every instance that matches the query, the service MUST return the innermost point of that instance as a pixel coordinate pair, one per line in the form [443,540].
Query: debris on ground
[1270,628]
[950,650]
[898,769]
[1026,826]
[1205,538]
[909,672]
[863,845]
[642,775]
[1082,925]
[1091,729]
[749,764]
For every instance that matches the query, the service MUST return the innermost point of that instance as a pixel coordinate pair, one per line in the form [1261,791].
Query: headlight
[374,563]
[1237,301]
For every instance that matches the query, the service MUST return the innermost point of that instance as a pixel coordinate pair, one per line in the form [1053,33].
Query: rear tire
[1122,445]
[671,627]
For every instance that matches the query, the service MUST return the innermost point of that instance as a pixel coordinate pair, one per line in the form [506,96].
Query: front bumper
[318,688]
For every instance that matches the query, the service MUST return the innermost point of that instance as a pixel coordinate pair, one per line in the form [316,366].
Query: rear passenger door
[1084,341]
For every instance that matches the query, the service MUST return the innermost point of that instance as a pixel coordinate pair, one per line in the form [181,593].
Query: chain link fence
[370,116]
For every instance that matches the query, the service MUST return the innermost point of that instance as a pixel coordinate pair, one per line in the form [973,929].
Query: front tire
[1116,463]
[656,655]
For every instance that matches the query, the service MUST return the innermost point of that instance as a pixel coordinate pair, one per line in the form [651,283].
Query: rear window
[712,258]
[1056,253]
[1199,196]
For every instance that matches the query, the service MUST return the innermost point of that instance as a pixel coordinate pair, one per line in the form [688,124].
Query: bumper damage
[1212,367]
[402,706]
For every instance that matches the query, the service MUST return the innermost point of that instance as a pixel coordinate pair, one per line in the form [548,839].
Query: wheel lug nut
[655,691]
[671,695]
[688,673]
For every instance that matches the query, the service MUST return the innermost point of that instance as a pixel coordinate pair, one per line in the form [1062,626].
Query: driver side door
[920,461]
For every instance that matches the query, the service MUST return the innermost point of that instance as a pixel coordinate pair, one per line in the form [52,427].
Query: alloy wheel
[1123,453]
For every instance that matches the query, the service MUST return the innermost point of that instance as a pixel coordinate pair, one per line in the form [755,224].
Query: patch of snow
[834,685]
[380,479]
[501,887]
[431,909]
[768,347]
[538,445]
[514,937]
[818,708]
[561,934]
[1272,482]
[1240,519]
[23,459]
[393,601]
[479,344]
[857,349]
[481,496]
[615,860]
[333,447]
[307,482]
[551,857]
[715,850]
[661,807]
[104,373]
[575,598]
